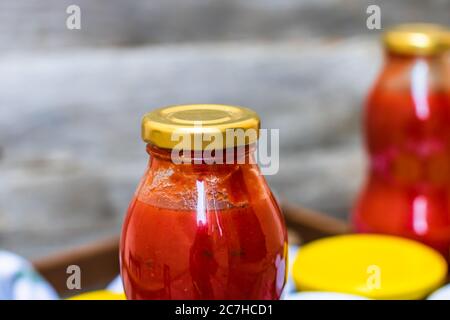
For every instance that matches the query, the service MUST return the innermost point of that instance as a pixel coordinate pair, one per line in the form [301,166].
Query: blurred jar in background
[407,135]
[203,229]
[447,58]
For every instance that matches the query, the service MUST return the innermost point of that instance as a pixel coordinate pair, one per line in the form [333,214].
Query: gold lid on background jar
[421,39]
[206,126]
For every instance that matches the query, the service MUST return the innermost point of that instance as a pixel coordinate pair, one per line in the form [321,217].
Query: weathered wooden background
[71,100]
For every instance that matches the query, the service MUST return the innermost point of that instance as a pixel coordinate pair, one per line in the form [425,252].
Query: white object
[19,281]
[441,294]
[116,285]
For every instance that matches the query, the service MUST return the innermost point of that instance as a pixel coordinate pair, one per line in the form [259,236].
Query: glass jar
[407,132]
[202,229]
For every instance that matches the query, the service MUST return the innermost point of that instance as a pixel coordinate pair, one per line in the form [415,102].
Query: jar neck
[397,60]
[403,69]
[202,159]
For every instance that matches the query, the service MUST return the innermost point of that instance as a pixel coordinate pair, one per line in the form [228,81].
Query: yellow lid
[99,295]
[374,266]
[417,39]
[201,126]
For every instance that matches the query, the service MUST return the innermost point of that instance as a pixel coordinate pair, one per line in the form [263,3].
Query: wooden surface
[311,225]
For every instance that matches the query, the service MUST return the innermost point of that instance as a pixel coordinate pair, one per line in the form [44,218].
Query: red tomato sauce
[234,254]
[203,232]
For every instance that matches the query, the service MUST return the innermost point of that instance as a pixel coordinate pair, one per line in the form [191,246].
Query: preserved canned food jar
[200,227]
[407,132]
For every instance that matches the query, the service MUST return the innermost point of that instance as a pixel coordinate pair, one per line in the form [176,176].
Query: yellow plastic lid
[374,266]
[99,295]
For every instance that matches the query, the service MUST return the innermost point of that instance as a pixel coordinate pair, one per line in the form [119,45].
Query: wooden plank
[311,225]
[99,264]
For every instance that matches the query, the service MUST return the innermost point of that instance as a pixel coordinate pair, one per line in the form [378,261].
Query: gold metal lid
[446,40]
[203,126]
[417,39]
